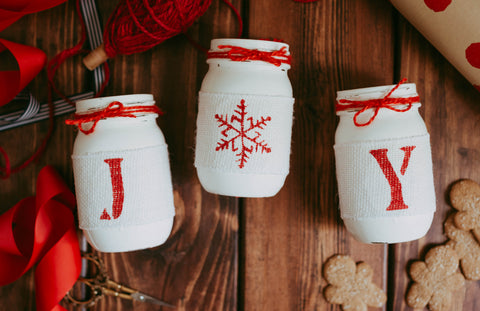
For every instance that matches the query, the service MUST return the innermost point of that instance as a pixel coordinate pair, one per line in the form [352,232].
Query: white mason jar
[384,169]
[122,178]
[244,123]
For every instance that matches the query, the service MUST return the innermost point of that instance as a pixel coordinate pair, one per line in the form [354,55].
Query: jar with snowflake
[384,164]
[122,173]
[244,122]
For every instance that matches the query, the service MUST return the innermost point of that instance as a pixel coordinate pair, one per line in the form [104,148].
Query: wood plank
[335,45]
[196,269]
[450,109]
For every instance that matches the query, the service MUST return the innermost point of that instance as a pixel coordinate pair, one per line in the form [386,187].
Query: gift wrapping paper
[453,27]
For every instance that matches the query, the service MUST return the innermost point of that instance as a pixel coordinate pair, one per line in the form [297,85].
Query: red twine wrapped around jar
[385,102]
[239,54]
[113,110]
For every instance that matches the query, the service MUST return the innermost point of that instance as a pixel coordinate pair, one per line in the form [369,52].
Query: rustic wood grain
[335,45]
[450,110]
[258,254]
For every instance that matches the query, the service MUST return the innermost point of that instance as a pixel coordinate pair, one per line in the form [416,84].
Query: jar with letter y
[244,122]
[384,164]
[122,173]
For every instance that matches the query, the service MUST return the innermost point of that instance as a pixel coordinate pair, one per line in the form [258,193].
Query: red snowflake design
[246,134]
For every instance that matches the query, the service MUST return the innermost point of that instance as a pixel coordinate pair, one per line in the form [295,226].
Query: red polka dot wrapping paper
[453,27]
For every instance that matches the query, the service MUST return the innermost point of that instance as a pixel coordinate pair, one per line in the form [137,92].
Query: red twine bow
[113,110]
[239,54]
[377,104]
[41,229]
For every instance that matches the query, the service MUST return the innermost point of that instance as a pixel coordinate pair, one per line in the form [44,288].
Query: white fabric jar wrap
[245,134]
[385,178]
[123,188]
[122,173]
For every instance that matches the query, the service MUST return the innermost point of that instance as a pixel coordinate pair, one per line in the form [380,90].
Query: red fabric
[30,62]
[246,130]
[11,11]
[138,25]
[113,110]
[41,229]
[239,54]
[406,159]
[377,104]
[397,202]
[117,188]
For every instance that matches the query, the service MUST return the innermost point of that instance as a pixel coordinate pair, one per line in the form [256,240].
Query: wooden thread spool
[95,58]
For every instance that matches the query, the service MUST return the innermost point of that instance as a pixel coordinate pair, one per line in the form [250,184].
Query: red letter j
[117,188]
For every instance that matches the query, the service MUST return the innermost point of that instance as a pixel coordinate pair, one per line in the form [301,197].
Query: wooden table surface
[230,253]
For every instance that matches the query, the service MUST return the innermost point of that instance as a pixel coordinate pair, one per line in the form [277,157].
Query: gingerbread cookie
[350,284]
[435,279]
[465,197]
[466,247]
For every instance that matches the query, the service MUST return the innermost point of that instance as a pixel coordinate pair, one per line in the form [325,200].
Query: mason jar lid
[250,44]
[93,104]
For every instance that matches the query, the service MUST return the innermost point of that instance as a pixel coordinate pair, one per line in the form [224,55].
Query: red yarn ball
[138,25]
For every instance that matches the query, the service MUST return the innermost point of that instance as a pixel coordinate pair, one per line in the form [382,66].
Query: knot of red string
[376,104]
[239,54]
[113,110]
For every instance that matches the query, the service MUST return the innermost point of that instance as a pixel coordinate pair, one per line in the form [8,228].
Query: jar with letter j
[122,173]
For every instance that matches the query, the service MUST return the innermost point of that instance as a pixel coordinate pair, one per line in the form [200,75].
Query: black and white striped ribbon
[95,36]
[35,112]
[12,120]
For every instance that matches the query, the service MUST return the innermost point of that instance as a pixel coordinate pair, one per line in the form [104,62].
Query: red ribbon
[377,104]
[30,61]
[11,11]
[239,54]
[41,229]
[113,110]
